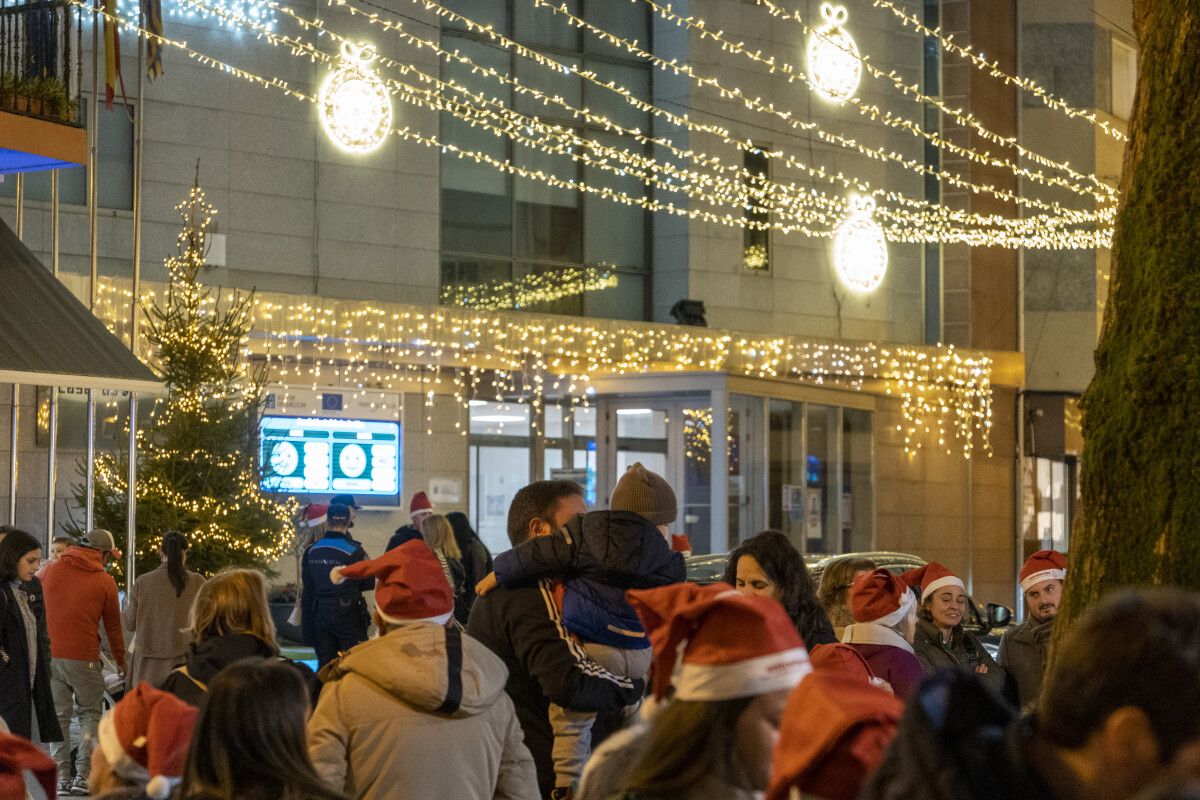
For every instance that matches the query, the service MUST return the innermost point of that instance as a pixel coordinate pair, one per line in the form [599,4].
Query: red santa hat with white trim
[715,643]
[410,585]
[834,733]
[881,598]
[1044,565]
[313,514]
[25,771]
[420,506]
[931,577]
[145,739]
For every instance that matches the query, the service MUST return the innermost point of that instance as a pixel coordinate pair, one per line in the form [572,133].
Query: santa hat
[410,584]
[680,543]
[715,643]
[834,733]
[145,739]
[313,514]
[1044,565]
[24,768]
[881,597]
[931,577]
[420,506]
[840,659]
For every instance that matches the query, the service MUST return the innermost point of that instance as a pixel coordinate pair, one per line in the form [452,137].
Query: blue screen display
[304,455]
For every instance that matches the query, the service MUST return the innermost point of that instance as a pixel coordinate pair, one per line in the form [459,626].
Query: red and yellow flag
[112,54]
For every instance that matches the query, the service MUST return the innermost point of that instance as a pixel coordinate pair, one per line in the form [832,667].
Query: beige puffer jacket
[406,720]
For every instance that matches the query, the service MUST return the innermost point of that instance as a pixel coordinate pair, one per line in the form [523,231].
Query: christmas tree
[197,462]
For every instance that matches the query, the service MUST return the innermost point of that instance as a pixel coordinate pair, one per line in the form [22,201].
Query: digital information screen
[304,455]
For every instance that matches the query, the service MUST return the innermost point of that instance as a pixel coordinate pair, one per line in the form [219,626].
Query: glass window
[696,509]
[619,19]
[858,501]
[1124,78]
[485,12]
[584,420]
[821,478]
[756,242]
[538,226]
[499,419]
[635,79]
[786,470]
[543,26]
[112,417]
[463,272]
[615,233]
[571,304]
[553,421]
[551,82]
[496,473]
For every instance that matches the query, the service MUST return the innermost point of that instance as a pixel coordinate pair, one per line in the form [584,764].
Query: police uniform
[334,617]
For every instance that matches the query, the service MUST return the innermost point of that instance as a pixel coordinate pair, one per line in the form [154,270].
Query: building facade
[830,459]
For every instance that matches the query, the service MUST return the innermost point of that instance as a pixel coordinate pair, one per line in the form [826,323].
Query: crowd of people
[580,664]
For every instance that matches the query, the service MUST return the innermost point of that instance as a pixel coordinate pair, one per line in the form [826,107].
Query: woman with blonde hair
[438,533]
[230,620]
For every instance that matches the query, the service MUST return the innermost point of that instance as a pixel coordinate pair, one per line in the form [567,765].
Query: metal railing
[40,67]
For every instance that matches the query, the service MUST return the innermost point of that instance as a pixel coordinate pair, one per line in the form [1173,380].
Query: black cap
[338,511]
[344,500]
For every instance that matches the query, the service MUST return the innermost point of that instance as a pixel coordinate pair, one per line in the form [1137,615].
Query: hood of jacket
[411,663]
[206,658]
[83,558]
[628,550]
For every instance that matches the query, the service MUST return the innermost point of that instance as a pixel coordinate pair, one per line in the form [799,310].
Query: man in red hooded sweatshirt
[79,594]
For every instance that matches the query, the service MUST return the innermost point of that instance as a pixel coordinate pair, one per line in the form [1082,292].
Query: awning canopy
[49,338]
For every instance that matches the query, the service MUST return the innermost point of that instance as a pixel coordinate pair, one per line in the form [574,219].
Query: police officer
[334,617]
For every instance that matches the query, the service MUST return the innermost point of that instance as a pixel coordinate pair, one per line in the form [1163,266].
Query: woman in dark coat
[476,560]
[26,703]
[768,564]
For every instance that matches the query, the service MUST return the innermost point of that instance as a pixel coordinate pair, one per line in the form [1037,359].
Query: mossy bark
[1139,517]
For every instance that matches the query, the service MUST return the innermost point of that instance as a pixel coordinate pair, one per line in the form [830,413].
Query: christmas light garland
[993,69]
[532,290]
[379,350]
[1102,191]
[1034,232]
[1099,190]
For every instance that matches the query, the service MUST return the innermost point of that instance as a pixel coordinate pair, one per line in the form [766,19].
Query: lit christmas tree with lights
[197,462]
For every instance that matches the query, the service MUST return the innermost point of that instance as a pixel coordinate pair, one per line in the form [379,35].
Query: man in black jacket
[524,628]
[1121,710]
[333,616]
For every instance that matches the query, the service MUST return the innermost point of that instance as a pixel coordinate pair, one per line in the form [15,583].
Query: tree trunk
[1139,517]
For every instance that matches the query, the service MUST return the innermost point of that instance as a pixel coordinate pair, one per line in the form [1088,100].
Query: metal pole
[20,205]
[93,156]
[90,507]
[54,222]
[137,189]
[131,507]
[52,467]
[14,420]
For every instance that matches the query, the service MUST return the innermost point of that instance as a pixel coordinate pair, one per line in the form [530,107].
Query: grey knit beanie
[646,493]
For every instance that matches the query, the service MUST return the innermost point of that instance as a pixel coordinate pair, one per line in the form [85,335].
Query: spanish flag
[112,54]
[152,9]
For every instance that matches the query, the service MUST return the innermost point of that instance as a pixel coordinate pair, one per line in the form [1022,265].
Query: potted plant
[23,90]
[55,102]
[7,91]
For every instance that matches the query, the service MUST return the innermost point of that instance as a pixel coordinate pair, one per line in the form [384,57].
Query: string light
[354,106]
[536,289]
[1096,189]
[381,349]
[786,201]
[993,69]
[860,254]
[1009,235]
[834,64]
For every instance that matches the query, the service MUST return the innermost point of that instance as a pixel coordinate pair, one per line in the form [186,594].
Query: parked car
[986,621]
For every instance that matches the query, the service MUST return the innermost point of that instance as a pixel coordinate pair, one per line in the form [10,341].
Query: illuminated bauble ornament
[860,255]
[834,65]
[354,105]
